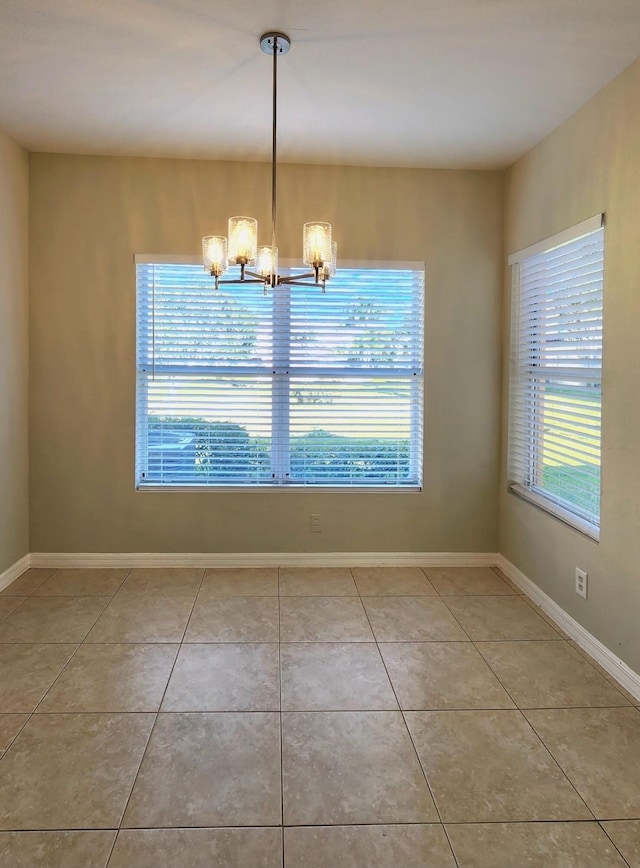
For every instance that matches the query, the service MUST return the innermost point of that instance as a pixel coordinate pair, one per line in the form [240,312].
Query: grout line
[112,848]
[332,825]
[281,721]
[8,614]
[430,710]
[624,859]
[55,680]
[601,671]
[496,676]
[516,590]
[157,713]
[288,641]
[562,771]
[626,703]
[408,731]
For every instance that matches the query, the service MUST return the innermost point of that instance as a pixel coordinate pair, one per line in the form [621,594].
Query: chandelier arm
[238,280]
[306,276]
[299,281]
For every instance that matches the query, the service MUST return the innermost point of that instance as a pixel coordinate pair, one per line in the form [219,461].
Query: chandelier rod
[274,145]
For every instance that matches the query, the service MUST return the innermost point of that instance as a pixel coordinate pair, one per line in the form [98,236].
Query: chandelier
[241,246]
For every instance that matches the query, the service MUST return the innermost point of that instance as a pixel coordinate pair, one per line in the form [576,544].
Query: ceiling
[431,83]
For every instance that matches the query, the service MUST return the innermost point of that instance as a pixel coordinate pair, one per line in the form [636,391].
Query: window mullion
[280,394]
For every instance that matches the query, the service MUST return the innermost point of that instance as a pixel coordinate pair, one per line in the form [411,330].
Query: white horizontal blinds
[204,379]
[556,394]
[356,359]
[296,387]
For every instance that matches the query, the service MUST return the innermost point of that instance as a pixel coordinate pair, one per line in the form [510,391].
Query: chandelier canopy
[240,246]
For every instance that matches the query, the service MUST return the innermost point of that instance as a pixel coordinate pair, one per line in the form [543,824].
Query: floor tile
[55,849]
[10,725]
[323,619]
[599,750]
[27,672]
[455,581]
[392,581]
[536,845]
[82,583]
[113,678]
[317,582]
[9,605]
[548,675]
[439,675]
[634,700]
[625,834]
[143,618]
[327,676]
[240,582]
[489,766]
[235,619]
[198,848]
[27,583]
[225,678]
[547,618]
[71,771]
[417,846]
[351,767]
[183,582]
[209,770]
[412,619]
[493,619]
[52,619]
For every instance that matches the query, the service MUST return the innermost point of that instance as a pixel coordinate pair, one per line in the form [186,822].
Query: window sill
[585,527]
[308,489]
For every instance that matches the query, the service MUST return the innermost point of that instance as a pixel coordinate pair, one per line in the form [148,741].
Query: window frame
[280,421]
[531,488]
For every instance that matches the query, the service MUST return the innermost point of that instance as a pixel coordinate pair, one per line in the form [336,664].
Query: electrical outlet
[315,522]
[581,582]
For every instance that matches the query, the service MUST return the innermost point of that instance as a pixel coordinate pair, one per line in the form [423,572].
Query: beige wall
[89,215]
[591,164]
[14,511]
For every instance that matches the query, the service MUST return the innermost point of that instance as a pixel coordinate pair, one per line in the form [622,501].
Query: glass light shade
[267,261]
[329,269]
[316,243]
[243,240]
[214,254]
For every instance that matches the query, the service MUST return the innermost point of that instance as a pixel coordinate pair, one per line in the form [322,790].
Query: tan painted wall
[89,215]
[14,468]
[591,164]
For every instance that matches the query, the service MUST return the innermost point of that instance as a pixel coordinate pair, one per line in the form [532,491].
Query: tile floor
[325,718]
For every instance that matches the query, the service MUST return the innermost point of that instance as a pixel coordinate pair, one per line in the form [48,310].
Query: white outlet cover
[581,582]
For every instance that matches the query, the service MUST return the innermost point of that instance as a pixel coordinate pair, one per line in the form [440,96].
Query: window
[293,388]
[554,436]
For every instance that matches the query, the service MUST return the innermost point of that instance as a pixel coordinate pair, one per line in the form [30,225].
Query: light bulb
[316,243]
[243,240]
[214,254]
[267,261]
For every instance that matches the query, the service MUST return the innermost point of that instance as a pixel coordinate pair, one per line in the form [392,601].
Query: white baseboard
[15,570]
[616,667]
[59,560]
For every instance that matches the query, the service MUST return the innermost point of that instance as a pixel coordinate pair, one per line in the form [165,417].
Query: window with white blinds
[293,388]
[555,407]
